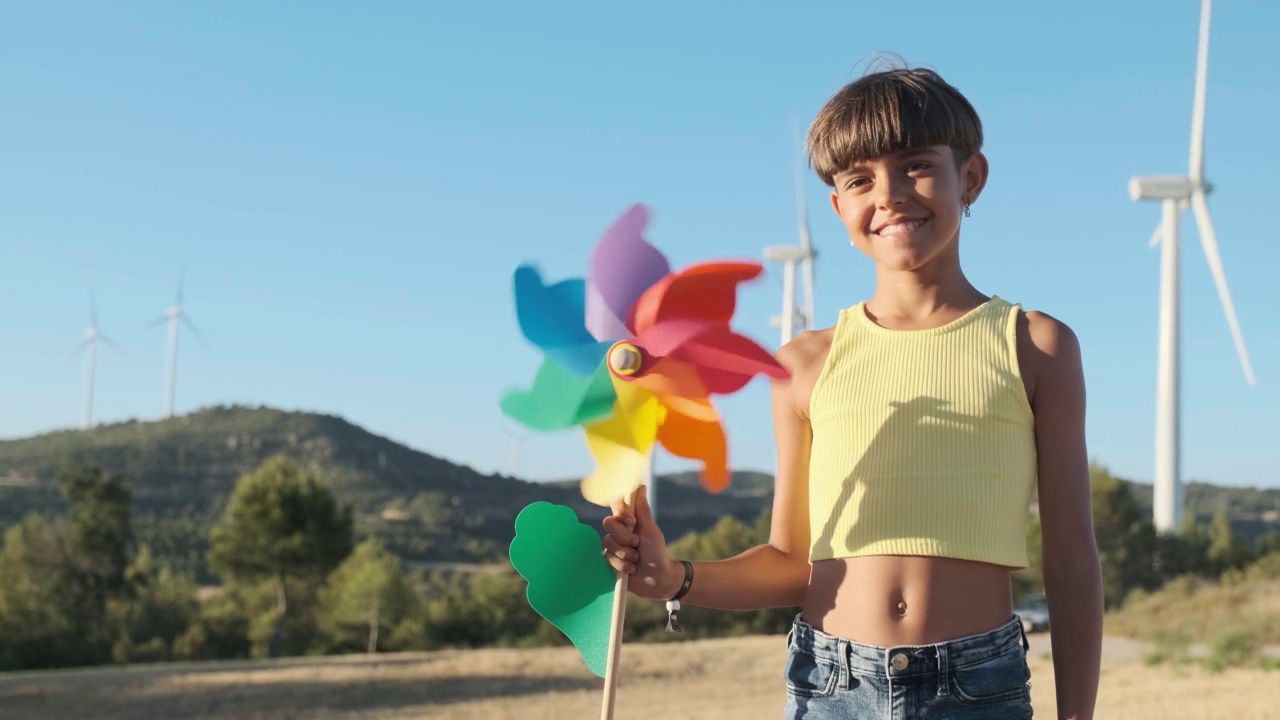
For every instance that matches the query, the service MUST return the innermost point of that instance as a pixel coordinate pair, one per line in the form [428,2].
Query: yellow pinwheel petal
[621,444]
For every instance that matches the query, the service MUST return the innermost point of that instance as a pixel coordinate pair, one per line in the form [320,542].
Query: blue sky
[350,187]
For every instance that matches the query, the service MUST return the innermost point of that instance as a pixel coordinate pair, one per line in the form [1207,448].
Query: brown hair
[888,111]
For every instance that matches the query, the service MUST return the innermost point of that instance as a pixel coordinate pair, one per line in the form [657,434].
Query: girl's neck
[920,298]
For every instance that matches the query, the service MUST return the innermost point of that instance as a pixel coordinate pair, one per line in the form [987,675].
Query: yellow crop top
[923,441]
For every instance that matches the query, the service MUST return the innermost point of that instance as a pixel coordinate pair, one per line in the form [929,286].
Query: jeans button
[899,661]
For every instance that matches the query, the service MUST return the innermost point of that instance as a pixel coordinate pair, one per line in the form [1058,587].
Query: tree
[159,609]
[1267,544]
[1126,539]
[97,543]
[369,591]
[1227,551]
[35,630]
[282,522]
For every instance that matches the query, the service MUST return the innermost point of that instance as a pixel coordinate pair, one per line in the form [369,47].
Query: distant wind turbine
[1176,193]
[517,438]
[174,315]
[793,320]
[90,347]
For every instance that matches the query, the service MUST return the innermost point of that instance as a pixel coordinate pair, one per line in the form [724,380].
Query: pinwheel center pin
[625,359]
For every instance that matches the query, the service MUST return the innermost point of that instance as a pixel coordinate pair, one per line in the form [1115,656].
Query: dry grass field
[710,680]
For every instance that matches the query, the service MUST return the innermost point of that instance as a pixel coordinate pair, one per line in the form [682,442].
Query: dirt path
[731,679]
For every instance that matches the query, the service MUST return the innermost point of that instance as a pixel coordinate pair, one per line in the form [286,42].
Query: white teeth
[900,227]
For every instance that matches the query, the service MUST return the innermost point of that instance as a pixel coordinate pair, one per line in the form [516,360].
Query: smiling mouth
[899,229]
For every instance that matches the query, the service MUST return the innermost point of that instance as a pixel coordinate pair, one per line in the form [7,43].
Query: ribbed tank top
[923,441]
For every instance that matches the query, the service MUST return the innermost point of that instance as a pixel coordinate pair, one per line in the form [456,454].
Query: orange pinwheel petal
[698,439]
[678,387]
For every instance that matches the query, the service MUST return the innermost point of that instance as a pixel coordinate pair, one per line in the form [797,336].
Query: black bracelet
[688,581]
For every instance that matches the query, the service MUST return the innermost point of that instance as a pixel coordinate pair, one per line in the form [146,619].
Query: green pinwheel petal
[570,582]
[560,399]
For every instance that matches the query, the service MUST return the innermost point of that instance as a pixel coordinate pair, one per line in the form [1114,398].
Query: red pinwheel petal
[668,336]
[726,361]
[707,291]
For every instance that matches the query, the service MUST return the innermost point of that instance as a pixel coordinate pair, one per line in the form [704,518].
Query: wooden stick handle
[615,636]
[615,646]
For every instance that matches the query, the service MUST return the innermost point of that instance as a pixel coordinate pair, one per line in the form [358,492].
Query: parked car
[1033,610]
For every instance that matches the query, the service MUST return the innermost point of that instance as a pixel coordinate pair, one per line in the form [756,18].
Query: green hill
[427,509]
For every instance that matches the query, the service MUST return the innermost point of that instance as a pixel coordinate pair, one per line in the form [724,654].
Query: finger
[612,548]
[623,511]
[619,564]
[622,533]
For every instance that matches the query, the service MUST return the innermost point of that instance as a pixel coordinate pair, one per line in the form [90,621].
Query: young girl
[910,438]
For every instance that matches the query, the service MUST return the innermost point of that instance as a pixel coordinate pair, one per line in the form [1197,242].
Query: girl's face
[903,209]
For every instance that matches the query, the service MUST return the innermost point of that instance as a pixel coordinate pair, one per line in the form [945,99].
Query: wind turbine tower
[1175,193]
[174,316]
[92,337]
[793,319]
[517,438]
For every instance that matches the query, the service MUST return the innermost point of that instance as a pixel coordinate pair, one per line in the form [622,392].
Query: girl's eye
[917,166]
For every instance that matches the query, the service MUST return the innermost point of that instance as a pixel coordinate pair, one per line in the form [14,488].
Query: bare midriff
[889,600]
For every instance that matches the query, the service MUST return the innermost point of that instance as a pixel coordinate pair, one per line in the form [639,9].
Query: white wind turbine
[517,438]
[1176,193]
[792,319]
[92,337]
[174,315]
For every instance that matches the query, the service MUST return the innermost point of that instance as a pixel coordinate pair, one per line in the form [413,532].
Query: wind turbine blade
[93,310]
[109,341]
[79,349]
[1210,243]
[187,321]
[802,207]
[1156,236]
[1197,114]
[158,321]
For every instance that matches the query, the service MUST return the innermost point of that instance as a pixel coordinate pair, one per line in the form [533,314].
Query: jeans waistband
[901,661]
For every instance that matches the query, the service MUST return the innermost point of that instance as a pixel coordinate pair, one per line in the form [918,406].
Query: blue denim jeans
[978,676]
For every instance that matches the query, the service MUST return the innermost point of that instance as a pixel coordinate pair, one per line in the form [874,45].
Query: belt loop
[944,670]
[845,648]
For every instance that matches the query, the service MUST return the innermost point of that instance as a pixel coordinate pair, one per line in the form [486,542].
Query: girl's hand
[633,544]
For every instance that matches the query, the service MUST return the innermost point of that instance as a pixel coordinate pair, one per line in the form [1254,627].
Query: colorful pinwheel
[633,355]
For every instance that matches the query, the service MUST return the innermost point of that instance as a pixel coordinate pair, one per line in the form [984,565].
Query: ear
[973,176]
[835,204]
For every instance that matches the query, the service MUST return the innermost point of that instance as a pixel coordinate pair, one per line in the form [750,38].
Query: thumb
[644,515]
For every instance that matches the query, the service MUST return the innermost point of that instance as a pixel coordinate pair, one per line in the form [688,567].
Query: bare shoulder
[1049,349]
[1050,335]
[804,358]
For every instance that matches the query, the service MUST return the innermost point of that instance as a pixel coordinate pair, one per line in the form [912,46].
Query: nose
[890,190]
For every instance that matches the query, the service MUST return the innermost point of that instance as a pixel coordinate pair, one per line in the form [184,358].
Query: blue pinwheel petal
[552,317]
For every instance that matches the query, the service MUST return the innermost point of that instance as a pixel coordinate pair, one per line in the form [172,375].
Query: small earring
[966,209]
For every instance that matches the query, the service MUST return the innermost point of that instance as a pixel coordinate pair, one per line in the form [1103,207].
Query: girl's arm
[775,574]
[1072,574]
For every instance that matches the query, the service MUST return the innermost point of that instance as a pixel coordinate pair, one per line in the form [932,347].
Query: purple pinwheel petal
[623,266]
[600,320]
